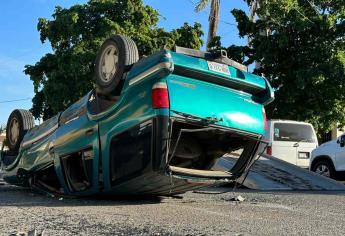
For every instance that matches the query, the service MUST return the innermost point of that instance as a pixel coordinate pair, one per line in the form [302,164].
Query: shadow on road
[24,197]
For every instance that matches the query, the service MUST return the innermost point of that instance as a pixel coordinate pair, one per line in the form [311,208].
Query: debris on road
[238,198]
[30,233]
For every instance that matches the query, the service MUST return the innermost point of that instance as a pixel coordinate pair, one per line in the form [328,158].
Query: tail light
[160,96]
[269,150]
[265,118]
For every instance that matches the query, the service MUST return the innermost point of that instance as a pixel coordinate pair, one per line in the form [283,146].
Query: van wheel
[324,168]
[114,59]
[19,122]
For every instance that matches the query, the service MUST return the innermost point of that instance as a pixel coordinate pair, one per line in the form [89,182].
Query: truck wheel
[19,122]
[324,168]
[115,57]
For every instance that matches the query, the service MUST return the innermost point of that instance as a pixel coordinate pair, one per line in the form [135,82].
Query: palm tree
[254,5]
[213,18]
[215,14]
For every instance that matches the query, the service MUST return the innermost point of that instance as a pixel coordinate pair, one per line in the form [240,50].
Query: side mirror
[341,141]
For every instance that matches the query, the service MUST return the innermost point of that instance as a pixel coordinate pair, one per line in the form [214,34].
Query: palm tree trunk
[213,21]
[254,5]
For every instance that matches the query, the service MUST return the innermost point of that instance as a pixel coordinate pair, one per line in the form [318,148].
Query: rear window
[293,133]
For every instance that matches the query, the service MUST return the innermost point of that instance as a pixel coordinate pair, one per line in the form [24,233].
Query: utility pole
[213,20]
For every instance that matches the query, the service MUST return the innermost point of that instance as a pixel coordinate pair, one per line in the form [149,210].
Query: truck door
[77,149]
[293,142]
[340,154]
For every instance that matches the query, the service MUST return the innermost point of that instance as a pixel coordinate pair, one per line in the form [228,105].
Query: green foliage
[75,34]
[300,47]
[215,44]
[236,53]
[189,36]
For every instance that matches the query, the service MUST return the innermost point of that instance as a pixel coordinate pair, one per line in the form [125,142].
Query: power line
[16,100]
[304,15]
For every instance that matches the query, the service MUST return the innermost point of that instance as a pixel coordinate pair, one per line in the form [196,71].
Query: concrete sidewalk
[270,173]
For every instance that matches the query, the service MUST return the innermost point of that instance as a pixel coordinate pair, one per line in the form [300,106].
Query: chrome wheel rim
[14,131]
[323,170]
[109,63]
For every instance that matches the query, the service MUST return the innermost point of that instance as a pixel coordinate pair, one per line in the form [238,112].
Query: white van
[291,141]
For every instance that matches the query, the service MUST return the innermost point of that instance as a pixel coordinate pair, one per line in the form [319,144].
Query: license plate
[217,67]
[303,155]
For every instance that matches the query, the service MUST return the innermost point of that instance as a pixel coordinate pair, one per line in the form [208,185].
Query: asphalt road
[262,213]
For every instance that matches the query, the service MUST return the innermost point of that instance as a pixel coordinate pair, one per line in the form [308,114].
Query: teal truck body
[175,117]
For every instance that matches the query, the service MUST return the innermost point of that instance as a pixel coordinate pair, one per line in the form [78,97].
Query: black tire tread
[330,166]
[130,57]
[26,122]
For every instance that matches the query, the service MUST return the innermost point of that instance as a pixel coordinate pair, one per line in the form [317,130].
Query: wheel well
[321,158]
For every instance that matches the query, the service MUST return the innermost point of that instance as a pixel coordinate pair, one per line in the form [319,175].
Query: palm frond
[202,4]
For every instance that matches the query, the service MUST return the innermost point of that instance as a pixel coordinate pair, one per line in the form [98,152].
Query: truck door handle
[51,149]
[89,132]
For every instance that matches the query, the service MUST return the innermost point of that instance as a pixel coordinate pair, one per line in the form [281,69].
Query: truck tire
[324,168]
[114,59]
[19,122]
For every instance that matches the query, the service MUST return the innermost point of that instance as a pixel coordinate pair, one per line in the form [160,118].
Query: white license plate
[303,155]
[217,67]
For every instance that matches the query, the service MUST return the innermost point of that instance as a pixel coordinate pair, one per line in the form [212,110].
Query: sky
[20,43]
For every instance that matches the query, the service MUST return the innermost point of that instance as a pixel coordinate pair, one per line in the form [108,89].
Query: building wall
[333,134]
[336,132]
[2,137]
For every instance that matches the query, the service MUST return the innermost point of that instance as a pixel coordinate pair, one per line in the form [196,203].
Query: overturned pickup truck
[154,126]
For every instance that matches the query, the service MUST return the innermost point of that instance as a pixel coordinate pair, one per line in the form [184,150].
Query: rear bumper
[208,174]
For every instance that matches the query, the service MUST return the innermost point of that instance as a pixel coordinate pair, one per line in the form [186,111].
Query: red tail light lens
[269,150]
[160,96]
[264,117]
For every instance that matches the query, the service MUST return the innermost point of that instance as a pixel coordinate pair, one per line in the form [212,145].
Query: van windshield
[293,133]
